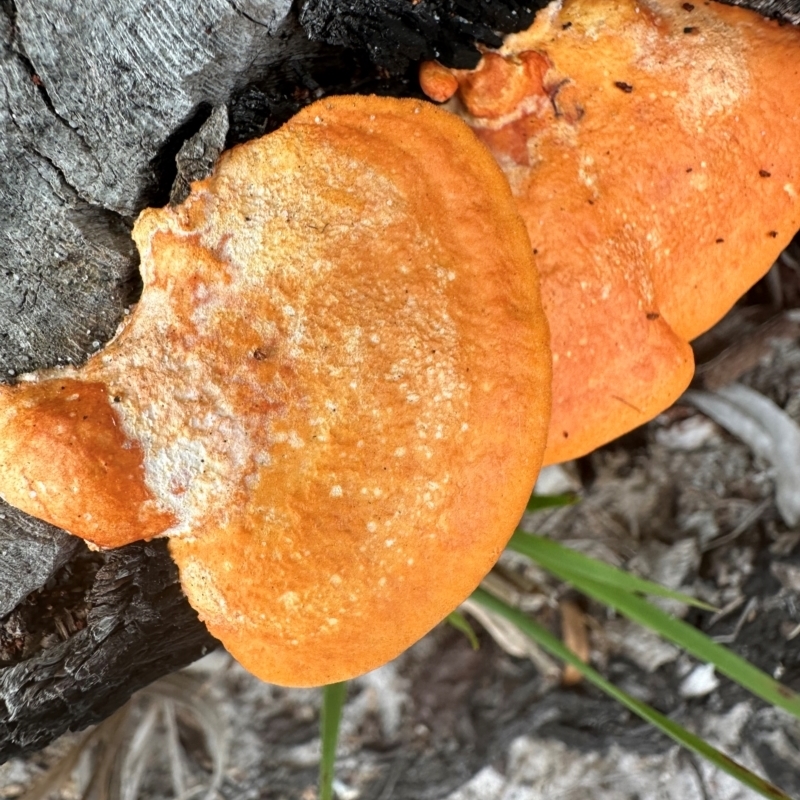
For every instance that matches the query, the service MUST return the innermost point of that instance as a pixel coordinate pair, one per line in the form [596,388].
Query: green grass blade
[676,732]
[539,502]
[686,636]
[548,553]
[332,702]
[460,623]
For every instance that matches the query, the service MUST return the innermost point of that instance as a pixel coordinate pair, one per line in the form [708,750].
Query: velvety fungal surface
[332,397]
[653,148]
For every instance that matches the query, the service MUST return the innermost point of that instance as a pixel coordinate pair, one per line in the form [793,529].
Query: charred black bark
[138,627]
[397,33]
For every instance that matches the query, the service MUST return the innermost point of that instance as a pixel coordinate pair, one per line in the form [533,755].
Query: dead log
[94,648]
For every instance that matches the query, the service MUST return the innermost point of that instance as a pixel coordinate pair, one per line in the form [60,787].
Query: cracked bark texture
[138,627]
[96,101]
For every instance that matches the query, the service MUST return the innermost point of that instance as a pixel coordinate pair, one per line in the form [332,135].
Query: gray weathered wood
[197,155]
[122,78]
[30,552]
[138,627]
[788,10]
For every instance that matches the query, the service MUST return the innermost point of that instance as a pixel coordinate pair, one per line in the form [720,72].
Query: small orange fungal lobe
[70,430]
[437,81]
[499,84]
[496,87]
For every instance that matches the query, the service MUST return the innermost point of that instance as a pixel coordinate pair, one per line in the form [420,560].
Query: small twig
[746,351]
[695,767]
[176,765]
[730,638]
[728,609]
[391,780]
[793,633]
[510,639]
[750,518]
[575,636]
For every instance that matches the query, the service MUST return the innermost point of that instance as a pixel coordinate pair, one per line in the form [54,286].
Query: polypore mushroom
[653,148]
[332,397]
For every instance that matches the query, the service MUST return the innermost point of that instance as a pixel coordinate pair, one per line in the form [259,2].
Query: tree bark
[784,10]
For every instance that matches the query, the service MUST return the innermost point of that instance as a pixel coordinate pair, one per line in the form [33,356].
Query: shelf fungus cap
[653,148]
[332,397]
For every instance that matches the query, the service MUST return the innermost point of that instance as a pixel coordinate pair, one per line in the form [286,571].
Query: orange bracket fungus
[332,397]
[653,149]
